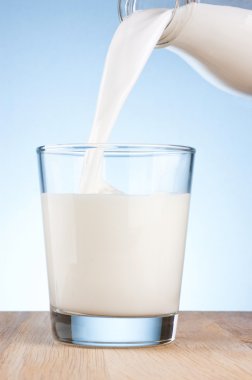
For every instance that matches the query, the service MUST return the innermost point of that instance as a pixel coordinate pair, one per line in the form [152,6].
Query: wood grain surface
[211,345]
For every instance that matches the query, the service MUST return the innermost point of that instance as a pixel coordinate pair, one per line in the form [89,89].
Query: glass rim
[113,147]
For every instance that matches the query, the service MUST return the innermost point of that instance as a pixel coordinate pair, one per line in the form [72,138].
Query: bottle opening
[127,7]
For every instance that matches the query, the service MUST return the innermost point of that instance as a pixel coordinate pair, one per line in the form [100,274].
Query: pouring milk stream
[216,40]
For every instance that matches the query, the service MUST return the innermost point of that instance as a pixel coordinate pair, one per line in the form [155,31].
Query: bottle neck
[127,7]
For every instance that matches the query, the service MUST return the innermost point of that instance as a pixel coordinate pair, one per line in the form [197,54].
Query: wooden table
[208,346]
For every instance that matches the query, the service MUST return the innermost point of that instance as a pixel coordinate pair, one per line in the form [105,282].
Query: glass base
[102,331]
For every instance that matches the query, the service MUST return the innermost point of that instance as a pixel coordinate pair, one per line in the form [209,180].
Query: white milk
[115,255]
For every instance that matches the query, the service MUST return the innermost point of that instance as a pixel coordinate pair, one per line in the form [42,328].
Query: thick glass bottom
[103,331]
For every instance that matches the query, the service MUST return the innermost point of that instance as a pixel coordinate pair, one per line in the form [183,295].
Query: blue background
[52,55]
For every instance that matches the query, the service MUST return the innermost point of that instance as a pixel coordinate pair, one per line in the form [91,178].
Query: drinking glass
[115,250]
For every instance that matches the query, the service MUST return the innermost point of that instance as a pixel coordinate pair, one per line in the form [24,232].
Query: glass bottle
[214,37]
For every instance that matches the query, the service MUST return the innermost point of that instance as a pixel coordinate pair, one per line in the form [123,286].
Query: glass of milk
[115,250]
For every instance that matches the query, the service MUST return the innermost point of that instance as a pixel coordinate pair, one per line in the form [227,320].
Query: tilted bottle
[214,37]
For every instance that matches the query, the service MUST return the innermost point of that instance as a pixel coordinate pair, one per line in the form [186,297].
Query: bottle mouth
[127,7]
